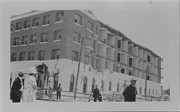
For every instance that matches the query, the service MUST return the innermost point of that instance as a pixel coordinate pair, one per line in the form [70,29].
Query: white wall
[69,67]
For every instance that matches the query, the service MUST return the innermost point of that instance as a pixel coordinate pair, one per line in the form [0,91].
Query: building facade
[108,59]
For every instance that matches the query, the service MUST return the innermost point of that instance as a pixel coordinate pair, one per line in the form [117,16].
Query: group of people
[24,88]
[49,92]
[129,93]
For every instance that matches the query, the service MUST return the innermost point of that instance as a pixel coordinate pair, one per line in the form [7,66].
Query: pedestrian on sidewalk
[130,92]
[58,92]
[17,88]
[96,94]
[50,91]
[30,87]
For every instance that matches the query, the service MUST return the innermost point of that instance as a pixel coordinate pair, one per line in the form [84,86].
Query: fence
[50,95]
[66,96]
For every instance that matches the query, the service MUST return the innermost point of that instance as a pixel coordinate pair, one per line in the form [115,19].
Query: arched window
[71,87]
[84,85]
[156,91]
[140,90]
[102,85]
[117,87]
[93,84]
[109,85]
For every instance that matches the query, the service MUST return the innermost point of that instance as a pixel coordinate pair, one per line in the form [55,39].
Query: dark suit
[15,90]
[130,93]
[96,94]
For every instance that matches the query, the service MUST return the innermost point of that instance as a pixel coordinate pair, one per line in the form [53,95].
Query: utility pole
[146,83]
[78,68]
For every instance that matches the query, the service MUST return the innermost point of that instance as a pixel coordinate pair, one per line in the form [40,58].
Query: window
[46,20]
[148,58]
[84,85]
[71,87]
[117,87]
[43,37]
[31,55]
[149,91]
[33,38]
[90,25]
[148,77]
[102,85]
[110,86]
[35,22]
[156,91]
[130,49]
[153,92]
[118,57]
[78,19]
[93,62]
[16,41]
[55,54]
[24,40]
[11,27]
[26,24]
[57,35]
[130,72]
[130,61]
[41,55]
[13,56]
[75,56]
[18,26]
[59,16]
[22,56]
[77,37]
[119,44]
[86,59]
[88,42]
[97,28]
[93,84]
[140,89]
[122,70]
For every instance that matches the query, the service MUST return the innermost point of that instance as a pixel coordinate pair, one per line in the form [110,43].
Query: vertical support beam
[78,68]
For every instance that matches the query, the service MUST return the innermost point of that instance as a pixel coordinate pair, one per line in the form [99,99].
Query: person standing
[30,87]
[130,92]
[58,92]
[17,87]
[50,91]
[96,94]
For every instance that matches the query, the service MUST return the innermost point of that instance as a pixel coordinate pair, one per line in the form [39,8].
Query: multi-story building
[108,58]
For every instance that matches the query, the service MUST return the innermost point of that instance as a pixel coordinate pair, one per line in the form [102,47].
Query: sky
[147,24]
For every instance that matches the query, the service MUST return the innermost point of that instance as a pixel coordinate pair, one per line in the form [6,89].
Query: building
[53,39]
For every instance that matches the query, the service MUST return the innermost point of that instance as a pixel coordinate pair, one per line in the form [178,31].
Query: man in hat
[130,92]
[17,87]
[58,91]
[96,94]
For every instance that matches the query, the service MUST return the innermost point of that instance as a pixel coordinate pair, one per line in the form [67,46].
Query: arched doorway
[102,85]
[109,85]
[93,84]
[84,85]
[117,87]
[71,87]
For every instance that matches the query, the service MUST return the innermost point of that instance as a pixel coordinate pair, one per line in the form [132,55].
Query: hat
[32,70]
[132,80]
[20,71]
